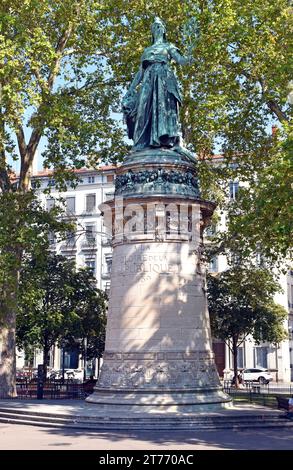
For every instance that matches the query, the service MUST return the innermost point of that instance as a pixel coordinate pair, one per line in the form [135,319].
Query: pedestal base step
[84,416]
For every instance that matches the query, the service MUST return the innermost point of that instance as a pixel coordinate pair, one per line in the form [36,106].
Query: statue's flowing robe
[157,101]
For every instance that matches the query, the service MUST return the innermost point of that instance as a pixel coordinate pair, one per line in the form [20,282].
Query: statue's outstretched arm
[180,59]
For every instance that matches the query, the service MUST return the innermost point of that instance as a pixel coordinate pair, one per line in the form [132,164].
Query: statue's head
[158,28]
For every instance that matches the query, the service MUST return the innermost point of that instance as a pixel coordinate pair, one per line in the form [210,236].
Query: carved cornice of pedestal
[152,209]
[159,355]
[206,207]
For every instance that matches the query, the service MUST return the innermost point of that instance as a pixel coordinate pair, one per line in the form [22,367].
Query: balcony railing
[91,211]
[106,275]
[105,240]
[89,243]
[69,244]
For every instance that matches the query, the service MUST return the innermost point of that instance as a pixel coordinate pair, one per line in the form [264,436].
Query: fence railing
[249,386]
[53,389]
[253,392]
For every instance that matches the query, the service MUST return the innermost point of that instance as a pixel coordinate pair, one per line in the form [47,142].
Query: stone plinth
[158,343]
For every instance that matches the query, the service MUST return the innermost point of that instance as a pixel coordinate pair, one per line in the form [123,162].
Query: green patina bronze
[151,104]
[157,164]
[158,181]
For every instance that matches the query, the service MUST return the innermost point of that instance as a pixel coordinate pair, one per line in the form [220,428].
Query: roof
[47,172]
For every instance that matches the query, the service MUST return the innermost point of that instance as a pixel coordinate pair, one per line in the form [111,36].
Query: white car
[74,374]
[256,375]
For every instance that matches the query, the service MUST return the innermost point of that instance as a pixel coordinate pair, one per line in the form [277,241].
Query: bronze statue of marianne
[151,104]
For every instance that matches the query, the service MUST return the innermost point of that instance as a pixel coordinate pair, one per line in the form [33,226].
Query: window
[70,205]
[91,264]
[213,266]
[70,239]
[36,183]
[50,203]
[51,238]
[260,260]
[235,259]
[107,287]
[240,358]
[108,259]
[90,203]
[109,196]
[51,182]
[110,178]
[233,165]
[233,189]
[89,232]
[70,359]
[90,179]
[261,357]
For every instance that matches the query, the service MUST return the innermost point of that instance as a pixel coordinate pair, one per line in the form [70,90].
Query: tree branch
[242,340]
[271,104]
[24,159]
[28,153]
[21,142]
[72,91]
[228,343]
[59,52]
[4,178]
[275,108]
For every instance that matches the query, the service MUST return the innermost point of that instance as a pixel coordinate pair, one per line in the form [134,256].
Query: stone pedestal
[158,355]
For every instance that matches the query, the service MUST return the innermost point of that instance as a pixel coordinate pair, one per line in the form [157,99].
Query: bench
[283,402]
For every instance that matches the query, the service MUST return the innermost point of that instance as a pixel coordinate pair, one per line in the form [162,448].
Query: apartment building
[88,245]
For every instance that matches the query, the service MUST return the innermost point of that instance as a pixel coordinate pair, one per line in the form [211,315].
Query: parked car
[73,374]
[256,375]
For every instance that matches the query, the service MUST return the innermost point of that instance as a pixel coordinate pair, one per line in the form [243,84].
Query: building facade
[87,246]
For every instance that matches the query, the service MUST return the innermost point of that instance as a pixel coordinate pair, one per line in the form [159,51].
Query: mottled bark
[7,356]
[8,309]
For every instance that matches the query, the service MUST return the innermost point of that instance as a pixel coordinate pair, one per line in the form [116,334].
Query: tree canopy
[241,303]
[57,303]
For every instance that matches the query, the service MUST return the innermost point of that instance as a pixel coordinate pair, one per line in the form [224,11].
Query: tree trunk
[235,357]
[84,358]
[8,356]
[46,351]
[8,307]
